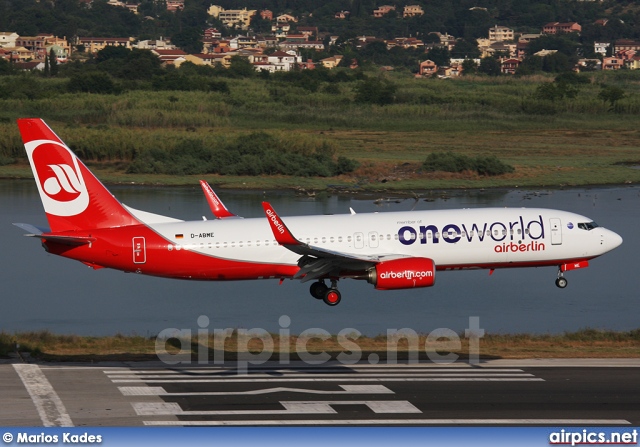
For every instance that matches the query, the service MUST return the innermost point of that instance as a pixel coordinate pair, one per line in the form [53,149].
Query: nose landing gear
[561,282]
[330,295]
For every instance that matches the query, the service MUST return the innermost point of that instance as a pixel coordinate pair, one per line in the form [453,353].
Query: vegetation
[449,162]
[592,343]
[135,130]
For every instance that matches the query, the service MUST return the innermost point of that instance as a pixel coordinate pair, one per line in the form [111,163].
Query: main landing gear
[561,282]
[330,295]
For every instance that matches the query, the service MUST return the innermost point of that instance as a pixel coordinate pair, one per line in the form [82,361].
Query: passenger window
[331,239]
[339,238]
[324,240]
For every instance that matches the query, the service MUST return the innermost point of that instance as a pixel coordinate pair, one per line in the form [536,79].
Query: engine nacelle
[405,273]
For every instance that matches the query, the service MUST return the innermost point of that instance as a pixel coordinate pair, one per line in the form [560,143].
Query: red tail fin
[73,198]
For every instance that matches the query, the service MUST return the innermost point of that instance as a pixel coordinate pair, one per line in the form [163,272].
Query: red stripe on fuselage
[113,248]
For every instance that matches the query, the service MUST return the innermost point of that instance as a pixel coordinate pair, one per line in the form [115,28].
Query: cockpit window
[588,225]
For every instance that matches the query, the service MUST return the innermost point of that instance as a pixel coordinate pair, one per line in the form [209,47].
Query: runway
[496,393]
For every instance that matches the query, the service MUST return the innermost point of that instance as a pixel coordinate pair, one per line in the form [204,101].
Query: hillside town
[290,46]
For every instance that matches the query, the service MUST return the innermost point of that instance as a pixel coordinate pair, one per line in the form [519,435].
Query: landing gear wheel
[561,282]
[318,290]
[332,297]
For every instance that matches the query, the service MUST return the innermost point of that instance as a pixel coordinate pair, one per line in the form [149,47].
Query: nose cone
[612,240]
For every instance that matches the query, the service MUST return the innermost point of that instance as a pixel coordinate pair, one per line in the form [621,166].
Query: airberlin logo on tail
[65,183]
[60,182]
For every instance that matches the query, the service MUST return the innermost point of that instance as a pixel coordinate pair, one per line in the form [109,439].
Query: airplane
[390,250]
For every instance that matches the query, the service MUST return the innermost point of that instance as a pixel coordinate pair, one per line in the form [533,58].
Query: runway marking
[287,371]
[346,389]
[232,378]
[290,408]
[342,379]
[50,408]
[554,422]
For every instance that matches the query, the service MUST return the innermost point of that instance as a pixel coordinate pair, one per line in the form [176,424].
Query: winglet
[280,230]
[217,207]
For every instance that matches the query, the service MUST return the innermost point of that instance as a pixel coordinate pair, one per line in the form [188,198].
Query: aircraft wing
[318,262]
[43,233]
[218,209]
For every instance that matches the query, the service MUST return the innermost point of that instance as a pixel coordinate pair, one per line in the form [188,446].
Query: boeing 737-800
[393,250]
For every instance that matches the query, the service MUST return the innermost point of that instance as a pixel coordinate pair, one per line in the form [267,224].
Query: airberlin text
[526,234]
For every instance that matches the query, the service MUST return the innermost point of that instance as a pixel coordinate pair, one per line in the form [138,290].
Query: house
[266,14]
[287,60]
[601,47]
[625,44]
[307,30]
[341,15]
[35,44]
[281,30]
[589,64]
[267,41]
[170,57]
[528,37]
[20,54]
[405,42]
[212,33]
[383,10]
[543,53]
[612,63]
[242,42]
[331,62]
[222,59]
[175,5]
[634,64]
[509,66]
[29,66]
[8,39]
[558,28]
[412,11]
[427,68]
[95,44]
[309,44]
[240,18]
[286,18]
[154,44]
[500,33]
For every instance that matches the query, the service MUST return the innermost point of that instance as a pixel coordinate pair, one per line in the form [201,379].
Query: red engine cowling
[404,273]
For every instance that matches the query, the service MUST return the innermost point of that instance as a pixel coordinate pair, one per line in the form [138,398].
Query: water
[42,291]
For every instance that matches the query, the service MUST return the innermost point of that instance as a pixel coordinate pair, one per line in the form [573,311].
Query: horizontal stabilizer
[43,233]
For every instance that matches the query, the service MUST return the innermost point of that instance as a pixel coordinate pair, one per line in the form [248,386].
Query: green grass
[569,142]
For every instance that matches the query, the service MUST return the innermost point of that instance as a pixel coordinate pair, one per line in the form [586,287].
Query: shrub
[448,162]
[257,153]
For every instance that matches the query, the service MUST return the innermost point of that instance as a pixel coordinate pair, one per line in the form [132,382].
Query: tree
[93,82]
[611,94]
[375,91]
[466,49]
[490,66]
[439,55]
[469,67]
[53,63]
[241,67]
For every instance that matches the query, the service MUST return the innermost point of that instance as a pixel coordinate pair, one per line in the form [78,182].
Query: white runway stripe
[290,408]
[231,378]
[342,379]
[50,408]
[333,422]
[346,389]
[315,370]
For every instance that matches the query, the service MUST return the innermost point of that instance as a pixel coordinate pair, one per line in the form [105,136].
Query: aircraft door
[358,240]
[139,250]
[556,231]
[373,239]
